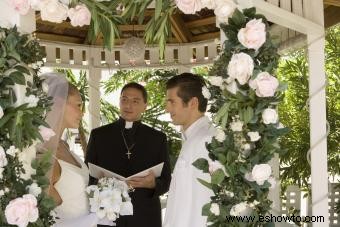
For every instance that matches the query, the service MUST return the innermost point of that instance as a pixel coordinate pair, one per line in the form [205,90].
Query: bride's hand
[143,182]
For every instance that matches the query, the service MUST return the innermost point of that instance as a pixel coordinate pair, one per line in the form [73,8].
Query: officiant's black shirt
[106,148]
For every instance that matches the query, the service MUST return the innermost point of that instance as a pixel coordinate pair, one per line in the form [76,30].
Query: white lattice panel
[334,197]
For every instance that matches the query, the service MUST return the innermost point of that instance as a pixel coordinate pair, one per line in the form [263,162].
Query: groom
[187,105]
[127,146]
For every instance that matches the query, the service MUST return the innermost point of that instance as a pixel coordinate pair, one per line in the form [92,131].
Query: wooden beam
[283,17]
[62,25]
[332,16]
[59,38]
[206,36]
[332,2]
[201,22]
[129,27]
[181,30]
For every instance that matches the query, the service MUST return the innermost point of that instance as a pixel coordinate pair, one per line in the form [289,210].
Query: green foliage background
[293,68]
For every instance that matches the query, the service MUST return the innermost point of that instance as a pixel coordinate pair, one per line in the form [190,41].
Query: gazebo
[196,41]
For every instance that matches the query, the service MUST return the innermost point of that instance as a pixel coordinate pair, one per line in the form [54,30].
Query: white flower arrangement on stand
[109,199]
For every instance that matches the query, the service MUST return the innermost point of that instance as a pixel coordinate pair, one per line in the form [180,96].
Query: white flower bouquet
[109,199]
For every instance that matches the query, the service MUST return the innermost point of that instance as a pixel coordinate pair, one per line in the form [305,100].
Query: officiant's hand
[143,182]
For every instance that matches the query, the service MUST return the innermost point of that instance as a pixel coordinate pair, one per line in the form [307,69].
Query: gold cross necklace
[127,147]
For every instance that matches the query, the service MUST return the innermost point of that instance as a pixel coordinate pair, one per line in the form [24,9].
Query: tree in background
[293,69]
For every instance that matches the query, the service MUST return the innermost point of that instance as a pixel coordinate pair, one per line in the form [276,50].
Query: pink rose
[46,133]
[21,211]
[241,67]
[253,36]
[53,11]
[80,15]
[189,6]
[21,6]
[223,10]
[264,84]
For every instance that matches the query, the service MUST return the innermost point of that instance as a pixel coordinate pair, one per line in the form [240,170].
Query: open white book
[99,172]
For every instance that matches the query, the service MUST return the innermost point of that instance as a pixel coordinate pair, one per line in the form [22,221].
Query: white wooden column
[10,17]
[317,114]
[94,77]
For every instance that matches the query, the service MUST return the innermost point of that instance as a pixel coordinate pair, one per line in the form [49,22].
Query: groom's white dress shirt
[187,195]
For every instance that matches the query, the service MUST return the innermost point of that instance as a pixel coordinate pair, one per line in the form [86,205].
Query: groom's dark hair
[189,86]
[137,86]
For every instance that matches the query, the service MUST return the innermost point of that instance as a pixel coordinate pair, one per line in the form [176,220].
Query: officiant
[127,146]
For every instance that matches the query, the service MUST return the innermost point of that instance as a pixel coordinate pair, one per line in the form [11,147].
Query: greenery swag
[246,138]
[23,105]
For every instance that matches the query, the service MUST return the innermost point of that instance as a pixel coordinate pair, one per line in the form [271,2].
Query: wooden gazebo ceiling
[185,28]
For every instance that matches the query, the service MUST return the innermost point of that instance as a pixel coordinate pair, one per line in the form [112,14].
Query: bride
[69,175]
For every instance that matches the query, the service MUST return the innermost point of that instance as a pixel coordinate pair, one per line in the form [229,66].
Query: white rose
[241,67]
[126,208]
[206,93]
[46,133]
[1,171]
[1,112]
[240,209]
[34,189]
[12,151]
[264,84]
[219,135]
[80,15]
[253,36]
[246,147]
[32,101]
[236,126]
[216,81]
[215,209]
[53,11]
[269,116]
[35,4]
[3,159]
[261,173]
[232,87]
[229,193]
[21,6]
[210,4]
[22,210]
[189,6]
[1,191]
[224,9]
[254,136]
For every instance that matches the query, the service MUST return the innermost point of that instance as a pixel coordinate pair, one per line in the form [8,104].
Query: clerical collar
[128,124]
[194,127]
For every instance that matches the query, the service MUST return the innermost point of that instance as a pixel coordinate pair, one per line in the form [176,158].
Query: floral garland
[244,96]
[101,15]
[23,105]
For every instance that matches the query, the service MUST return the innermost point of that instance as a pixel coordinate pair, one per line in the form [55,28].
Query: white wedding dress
[74,209]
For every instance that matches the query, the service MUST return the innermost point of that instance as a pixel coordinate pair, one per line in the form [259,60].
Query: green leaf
[247,114]
[205,183]
[249,12]
[238,18]
[201,164]
[158,9]
[22,69]
[18,77]
[223,111]
[217,176]
[206,209]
